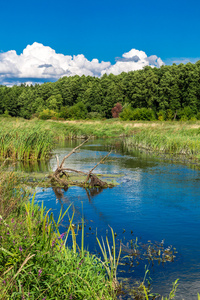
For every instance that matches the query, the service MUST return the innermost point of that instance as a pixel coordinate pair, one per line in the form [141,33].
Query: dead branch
[91,178]
[100,162]
[73,151]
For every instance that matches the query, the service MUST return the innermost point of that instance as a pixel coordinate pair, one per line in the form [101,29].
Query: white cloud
[39,63]
[182,60]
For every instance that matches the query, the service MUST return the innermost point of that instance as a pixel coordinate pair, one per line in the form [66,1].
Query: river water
[154,201]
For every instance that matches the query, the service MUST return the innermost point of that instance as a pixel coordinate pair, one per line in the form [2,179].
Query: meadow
[32,140]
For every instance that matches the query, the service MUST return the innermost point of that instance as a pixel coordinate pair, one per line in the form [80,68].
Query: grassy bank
[34,139]
[35,262]
[172,140]
[22,139]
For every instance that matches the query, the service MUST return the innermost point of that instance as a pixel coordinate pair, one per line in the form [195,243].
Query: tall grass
[178,141]
[36,263]
[30,140]
[19,141]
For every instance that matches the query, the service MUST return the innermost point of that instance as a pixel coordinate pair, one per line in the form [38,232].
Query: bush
[78,111]
[116,110]
[185,113]
[140,114]
[93,115]
[64,112]
[47,114]
[161,115]
[126,114]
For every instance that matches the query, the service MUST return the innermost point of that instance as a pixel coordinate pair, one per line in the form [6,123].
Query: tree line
[165,93]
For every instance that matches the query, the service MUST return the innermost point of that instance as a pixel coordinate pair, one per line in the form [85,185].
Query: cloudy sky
[44,40]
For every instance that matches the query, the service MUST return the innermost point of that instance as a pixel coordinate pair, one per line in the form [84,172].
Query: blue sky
[103,29]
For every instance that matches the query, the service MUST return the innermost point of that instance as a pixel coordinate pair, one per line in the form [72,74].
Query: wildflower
[70,297]
[8,233]
[12,221]
[20,249]
[61,236]
[39,272]
[81,262]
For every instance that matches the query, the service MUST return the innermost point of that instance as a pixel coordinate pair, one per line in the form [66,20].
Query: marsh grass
[34,139]
[172,141]
[36,263]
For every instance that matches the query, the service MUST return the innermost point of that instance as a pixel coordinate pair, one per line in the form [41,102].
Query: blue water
[155,200]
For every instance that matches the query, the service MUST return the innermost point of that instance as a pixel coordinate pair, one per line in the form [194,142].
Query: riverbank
[34,139]
[21,229]
[35,262]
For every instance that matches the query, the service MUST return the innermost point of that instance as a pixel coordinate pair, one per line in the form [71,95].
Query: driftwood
[62,178]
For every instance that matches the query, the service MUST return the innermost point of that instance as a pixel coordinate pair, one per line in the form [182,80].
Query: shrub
[116,110]
[64,112]
[47,114]
[77,111]
[140,114]
[127,113]
[185,113]
[94,115]
[161,115]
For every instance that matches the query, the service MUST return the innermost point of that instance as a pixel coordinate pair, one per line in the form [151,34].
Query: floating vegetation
[156,251]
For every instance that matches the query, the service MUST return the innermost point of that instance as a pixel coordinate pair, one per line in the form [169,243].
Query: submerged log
[62,178]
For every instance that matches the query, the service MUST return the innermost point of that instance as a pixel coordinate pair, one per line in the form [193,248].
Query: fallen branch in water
[62,178]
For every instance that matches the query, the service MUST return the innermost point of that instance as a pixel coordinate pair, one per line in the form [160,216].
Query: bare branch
[58,164]
[74,150]
[72,170]
[100,162]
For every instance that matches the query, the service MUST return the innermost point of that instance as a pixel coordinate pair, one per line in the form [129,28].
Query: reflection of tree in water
[90,192]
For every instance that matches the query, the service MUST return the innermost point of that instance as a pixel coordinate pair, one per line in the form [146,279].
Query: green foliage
[143,114]
[168,139]
[36,263]
[22,140]
[78,111]
[95,115]
[47,114]
[168,89]
[185,114]
[161,115]
[54,102]
[64,112]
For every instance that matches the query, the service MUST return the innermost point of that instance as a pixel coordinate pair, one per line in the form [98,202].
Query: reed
[173,141]
[30,140]
[36,261]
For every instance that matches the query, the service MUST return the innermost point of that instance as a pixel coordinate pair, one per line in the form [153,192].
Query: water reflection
[154,200]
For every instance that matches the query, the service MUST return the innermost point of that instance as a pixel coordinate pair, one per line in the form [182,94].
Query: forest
[165,93]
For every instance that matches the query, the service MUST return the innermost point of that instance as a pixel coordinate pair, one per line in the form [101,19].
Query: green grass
[35,259]
[32,140]
[169,140]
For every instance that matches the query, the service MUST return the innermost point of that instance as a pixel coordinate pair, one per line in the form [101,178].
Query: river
[155,201]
